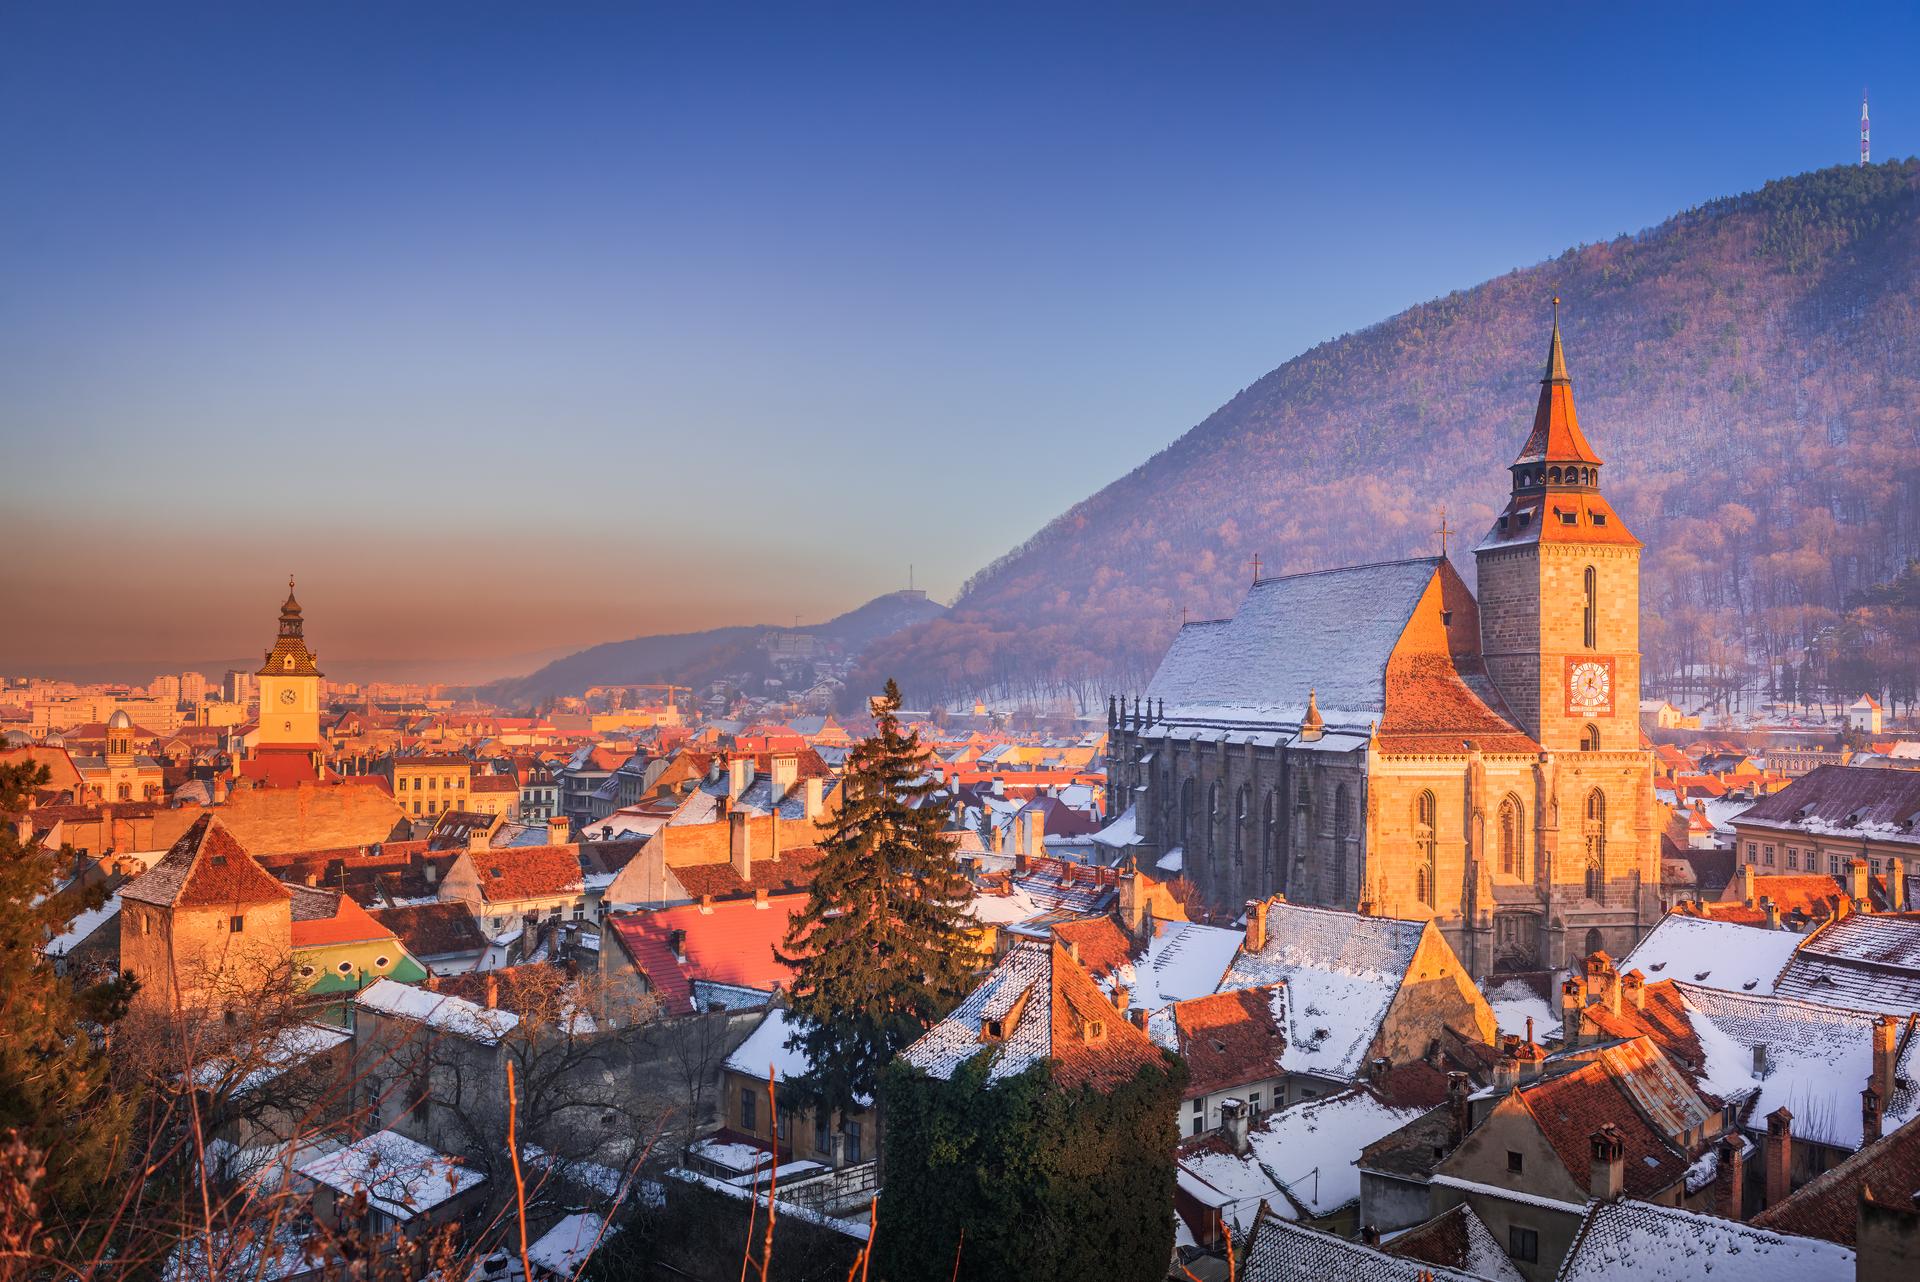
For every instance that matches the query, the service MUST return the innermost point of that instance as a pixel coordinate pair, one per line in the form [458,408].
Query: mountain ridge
[1750,368]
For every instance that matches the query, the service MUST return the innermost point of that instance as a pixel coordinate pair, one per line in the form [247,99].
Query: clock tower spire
[1559,586]
[290,686]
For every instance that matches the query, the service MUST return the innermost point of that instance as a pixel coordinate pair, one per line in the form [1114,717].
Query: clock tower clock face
[287,696]
[1590,686]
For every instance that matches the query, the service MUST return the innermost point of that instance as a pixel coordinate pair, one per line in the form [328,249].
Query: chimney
[677,942]
[1570,1007]
[811,791]
[1139,1015]
[1377,1069]
[493,990]
[479,838]
[559,830]
[1608,1176]
[1506,1072]
[1858,887]
[1256,941]
[1459,1105]
[1885,1043]
[783,773]
[1121,996]
[1870,1115]
[1033,832]
[1746,884]
[759,896]
[1772,911]
[1779,1155]
[1233,1122]
[1633,991]
[739,777]
[1733,1160]
[737,849]
[1896,885]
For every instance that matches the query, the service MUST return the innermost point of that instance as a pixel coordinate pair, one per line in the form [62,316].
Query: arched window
[1596,829]
[1591,619]
[1425,846]
[1189,803]
[1509,835]
[1590,738]
[1341,826]
[1241,802]
[1269,837]
[1595,941]
[1553,475]
[1214,818]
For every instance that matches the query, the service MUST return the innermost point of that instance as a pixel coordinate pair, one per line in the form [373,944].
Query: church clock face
[1590,686]
[287,696]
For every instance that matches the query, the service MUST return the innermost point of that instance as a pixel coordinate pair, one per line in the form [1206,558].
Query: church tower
[290,686]
[1559,587]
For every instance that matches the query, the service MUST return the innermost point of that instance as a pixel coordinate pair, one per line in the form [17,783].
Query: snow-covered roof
[261,1062]
[1816,1061]
[402,1178]
[1330,631]
[766,1046]
[1285,1252]
[1183,960]
[1515,1001]
[1124,831]
[1300,1160]
[443,1011]
[563,1249]
[1866,961]
[81,927]
[1648,1243]
[1714,954]
[1341,971]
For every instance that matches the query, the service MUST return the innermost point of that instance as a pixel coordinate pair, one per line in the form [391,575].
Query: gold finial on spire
[1311,725]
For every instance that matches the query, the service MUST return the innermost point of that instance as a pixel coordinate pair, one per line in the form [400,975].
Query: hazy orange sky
[510,330]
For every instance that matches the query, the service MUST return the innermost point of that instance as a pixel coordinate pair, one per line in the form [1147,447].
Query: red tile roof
[1568,1109]
[1828,1206]
[1229,1039]
[206,867]
[512,873]
[731,942]
[433,930]
[792,871]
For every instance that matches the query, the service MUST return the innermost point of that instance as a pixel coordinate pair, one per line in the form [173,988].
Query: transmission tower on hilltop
[1866,151]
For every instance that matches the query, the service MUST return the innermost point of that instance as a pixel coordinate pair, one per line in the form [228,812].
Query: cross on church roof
[1256,567]
[1444,531]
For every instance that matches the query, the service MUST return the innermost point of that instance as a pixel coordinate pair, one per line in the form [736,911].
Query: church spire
[1556,453]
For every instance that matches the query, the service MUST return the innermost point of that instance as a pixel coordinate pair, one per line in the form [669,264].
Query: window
[345,968]
[823,1132]
[1591,616]
[1595,879]
[1590,738]
[1834,865]
[1523,1244]
[783,1126]
[1253,1100]
[854,1153]
[749,1102]
[1793,857]
[1424,813]
[236,924]
[381,963]
[1766,854]
[1510,834]
[1341,826]
[1753,852]
[1515,1162]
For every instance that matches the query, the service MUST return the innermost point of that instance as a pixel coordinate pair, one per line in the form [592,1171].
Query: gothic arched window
[1509,835]
[1240,804]
[1596,827]
[1590,738]
[1425,846]
[1594,879]
[1591,619]
[1269,836]
[1342,824]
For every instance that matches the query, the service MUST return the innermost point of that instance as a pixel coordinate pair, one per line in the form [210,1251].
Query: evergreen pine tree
[881,950]
[54,1089]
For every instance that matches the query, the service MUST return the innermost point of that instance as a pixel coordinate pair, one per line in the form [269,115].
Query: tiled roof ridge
[1349,569]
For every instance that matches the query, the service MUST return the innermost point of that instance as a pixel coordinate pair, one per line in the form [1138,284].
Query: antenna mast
[1866,150]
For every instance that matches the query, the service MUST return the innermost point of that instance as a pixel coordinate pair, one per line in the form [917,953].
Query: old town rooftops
[1718,954]
[1846,802]
[1828,1205]
[1037,1004]
[1865,961]
[1649,1243]
[206,867]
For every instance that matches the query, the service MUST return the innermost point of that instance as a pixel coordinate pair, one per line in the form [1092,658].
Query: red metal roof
[730,942]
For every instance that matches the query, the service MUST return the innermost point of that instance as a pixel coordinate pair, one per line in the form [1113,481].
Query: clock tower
[289,687]
[1559,588]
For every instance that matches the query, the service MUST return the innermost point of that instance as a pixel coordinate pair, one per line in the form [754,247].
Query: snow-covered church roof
[1330,631]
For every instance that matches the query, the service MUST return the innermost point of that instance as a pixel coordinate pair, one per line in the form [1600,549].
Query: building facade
[1375,737]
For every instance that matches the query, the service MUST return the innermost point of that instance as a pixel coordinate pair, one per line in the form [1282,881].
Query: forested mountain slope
[1750,371]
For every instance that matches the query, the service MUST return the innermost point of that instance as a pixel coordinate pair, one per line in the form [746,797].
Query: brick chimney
[1506,1071]
[1459,1105]
[1377,1070]
[1139,1015]
[1571,1004]
[1779,1155]
[1033,832]
[738,850]
[1633,990]
[1857,886]
[811,792]
[1608,1177]
[1896,885]
[1885,1043]
[1233,1124]
[1870,1115]
[783,772]
[559,830]
[739,777]
[1733,1160]
[1746,885]
[1256,940]
[1771,910]
[479,838]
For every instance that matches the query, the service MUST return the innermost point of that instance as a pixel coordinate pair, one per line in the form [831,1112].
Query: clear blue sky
[627,318]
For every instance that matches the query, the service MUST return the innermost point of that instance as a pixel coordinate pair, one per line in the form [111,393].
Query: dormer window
[1094,1030]
[1599,518]
[287,662]
[993,1030]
